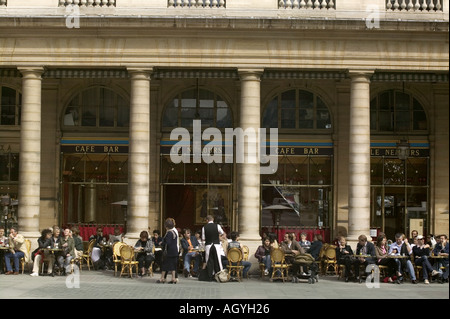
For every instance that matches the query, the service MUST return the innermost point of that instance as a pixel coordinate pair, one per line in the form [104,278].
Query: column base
[32,236]
[252,246]
[131,238]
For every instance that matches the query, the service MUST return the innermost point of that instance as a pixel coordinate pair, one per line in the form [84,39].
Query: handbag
[221,276]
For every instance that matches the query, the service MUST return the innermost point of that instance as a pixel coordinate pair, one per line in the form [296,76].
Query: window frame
[394,113]
[316,99]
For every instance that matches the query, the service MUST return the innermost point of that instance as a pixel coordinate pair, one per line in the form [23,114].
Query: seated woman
[382,253]
[263,255]
[344,255]
[145,255]
[39,255]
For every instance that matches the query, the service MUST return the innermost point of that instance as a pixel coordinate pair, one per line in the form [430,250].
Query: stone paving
[104,285]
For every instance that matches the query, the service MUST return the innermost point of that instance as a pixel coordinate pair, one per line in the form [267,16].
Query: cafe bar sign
[284,148]
[389,149]
[94,146]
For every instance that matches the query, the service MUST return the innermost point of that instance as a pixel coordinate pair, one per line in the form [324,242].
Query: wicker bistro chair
[278,263]
[116,255]
[245,252]
[23,260]
[329,260]
[234,256]
[128,260]
[87,255]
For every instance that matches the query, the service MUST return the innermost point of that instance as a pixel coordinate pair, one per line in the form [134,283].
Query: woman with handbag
[170,252]
[344,256]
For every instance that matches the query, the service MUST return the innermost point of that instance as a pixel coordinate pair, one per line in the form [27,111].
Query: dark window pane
[385,121]
[8,106]
[288,99]
[288,118]
[401,101]
[420,120]
[270,117]
[385,101]
[306,100]
[123,113]
[402,121]
[106,107]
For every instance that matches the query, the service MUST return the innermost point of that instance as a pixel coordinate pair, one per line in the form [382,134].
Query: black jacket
[370,251]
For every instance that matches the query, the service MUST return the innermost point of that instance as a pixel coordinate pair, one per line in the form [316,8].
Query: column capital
[31,71]
[250,74]
[140,72]
[360,74]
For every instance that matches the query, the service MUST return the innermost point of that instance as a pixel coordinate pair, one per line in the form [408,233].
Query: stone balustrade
[414,5]
[307,4]
[196,3]
[392,9]
[88,3]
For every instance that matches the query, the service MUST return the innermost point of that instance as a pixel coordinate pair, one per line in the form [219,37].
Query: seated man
[363,248]
[441,249]
[421,253]
[17,250]
[401,246]
[291,248]
[189,243]
[68,253]
[117,236]
[236,244]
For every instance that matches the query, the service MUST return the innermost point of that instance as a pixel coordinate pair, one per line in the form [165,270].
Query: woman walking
[170,251]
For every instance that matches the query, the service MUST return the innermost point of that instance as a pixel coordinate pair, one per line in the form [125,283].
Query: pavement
[104,285]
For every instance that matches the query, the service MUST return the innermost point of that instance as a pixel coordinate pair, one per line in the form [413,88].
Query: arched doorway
[191,190]
[304,179]
[399,182]
[94,157]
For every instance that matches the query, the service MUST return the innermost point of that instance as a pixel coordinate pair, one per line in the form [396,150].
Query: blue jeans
[426,266]
[439,264]
[409,268]
[187,260]
[247,266]
[17,256]
[267,262]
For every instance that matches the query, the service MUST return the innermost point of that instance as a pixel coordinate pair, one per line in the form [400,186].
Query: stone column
[139,158]
[359,156]
[30,153]
[249,181]
[248,174]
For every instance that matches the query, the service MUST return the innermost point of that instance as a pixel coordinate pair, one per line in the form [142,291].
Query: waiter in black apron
[210,236]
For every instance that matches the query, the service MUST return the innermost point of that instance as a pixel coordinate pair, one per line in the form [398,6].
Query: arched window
[195,104]
[10,104]
[396,111]
[297,109]
[97,107]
